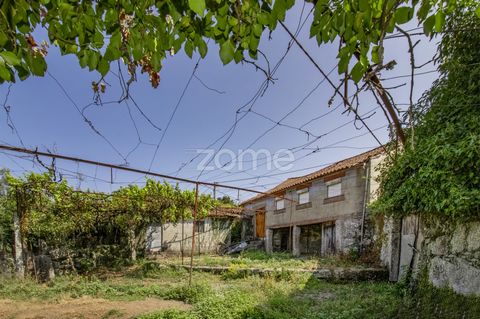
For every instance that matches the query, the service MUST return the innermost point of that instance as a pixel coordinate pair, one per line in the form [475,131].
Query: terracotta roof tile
[336,167]
[226,211]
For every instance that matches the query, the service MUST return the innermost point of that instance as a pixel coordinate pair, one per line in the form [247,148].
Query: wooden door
[260,224]
[329,239]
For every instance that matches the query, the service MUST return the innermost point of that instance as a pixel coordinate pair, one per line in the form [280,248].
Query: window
[334,188]
[303,196]
[200,226]
[279,203]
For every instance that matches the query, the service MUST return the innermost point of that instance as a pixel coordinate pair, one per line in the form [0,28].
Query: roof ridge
[321,172]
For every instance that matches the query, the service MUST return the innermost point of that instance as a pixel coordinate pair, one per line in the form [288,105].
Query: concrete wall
[168,237]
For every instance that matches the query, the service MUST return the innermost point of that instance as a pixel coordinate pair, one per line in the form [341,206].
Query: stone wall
[452,257]
[450,254]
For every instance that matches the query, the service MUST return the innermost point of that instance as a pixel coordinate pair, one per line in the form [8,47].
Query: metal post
[193,233]
[366,196]
[182,243]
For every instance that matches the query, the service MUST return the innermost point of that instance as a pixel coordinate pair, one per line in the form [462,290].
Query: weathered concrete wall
[168,237]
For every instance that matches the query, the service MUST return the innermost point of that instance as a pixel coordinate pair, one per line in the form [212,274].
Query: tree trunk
[132,245]
[17,241]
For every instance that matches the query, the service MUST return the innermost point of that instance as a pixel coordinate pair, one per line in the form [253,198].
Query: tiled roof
[336,167]
[226,211]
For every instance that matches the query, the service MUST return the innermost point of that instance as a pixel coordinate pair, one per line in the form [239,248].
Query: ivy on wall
[438,172]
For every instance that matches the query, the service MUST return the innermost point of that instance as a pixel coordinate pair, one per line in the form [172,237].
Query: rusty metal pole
[193,233]
[182,245]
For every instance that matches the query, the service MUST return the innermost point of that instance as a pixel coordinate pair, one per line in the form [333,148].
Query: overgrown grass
[217,297]
[259,259]
[428,302]
[274,296]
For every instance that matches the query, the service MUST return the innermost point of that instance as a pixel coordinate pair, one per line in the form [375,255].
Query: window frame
[200,226]
[278,200]
[333,183]
[302,191]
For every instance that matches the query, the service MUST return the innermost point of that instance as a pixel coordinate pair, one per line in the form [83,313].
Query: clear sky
[46,118]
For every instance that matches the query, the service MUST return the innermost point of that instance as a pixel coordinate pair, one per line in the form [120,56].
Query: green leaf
[189,48]
[39,66]
[10,58]
[439,21]
[5,73]
[103,66]
[403,15]
[3,38]
[429,24]
[478,11]
[363,5]
[83,58]
[202,48]
[343,64]
[226,52]
[197,6]
[238,56]
[357,72]
[93,58]
[257,30]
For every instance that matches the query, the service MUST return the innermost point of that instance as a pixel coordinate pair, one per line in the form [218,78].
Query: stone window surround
[302,191]
[334,199]
[303,206]
[334,182]
[277,200]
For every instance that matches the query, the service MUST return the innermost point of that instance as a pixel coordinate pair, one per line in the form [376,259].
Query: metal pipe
[365,199]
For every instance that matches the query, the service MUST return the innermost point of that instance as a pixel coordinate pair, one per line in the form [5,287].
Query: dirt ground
[84,308]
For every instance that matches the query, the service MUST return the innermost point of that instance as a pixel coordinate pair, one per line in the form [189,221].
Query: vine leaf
[10,58]
[227,52]
[198,6]
[403,15]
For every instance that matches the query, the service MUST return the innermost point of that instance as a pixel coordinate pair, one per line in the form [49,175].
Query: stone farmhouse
[321,213]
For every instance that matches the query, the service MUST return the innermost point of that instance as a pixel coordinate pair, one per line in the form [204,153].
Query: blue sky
[45,118]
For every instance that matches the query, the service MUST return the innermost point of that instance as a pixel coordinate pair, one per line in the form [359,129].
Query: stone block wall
[452,257]
[450,254]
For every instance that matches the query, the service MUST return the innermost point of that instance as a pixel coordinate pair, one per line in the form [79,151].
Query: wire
[9,119]
[86,120]
[315,150]
[179,101]
[279,123]
[269,77]
[409,75]
[208,87]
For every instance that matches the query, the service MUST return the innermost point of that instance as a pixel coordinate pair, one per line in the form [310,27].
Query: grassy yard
[261,260]
[149,290]
[210,296]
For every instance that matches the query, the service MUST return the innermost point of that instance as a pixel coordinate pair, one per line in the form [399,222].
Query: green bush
[428,302]
[190,294]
